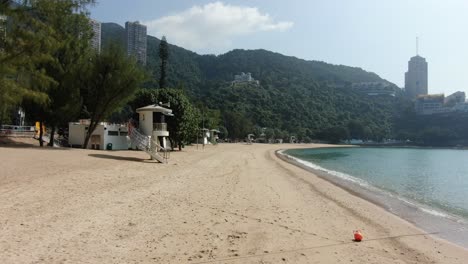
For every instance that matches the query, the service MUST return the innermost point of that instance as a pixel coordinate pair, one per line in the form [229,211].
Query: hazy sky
[376,35]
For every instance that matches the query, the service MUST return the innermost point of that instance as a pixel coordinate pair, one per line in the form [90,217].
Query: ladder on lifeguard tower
[148,145]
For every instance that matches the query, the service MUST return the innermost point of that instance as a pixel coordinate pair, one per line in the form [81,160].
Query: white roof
[155,108]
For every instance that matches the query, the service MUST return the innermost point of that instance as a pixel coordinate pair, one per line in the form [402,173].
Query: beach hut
[105,136]
[152,123]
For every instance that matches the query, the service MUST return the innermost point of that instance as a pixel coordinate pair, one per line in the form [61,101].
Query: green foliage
[358,130]
[237,124]
[433,130]
[45,41]
[210,118]
[334,134]
[71,55]
[142,98]
[28,44]
[109,83]
[296,97]
[305,99]
[223,132]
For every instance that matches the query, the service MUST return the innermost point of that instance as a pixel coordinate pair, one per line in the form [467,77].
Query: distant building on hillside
[430,104]
[461,107]
[455,98]
[244,78]
[427,104]
[136,41]
[96,39]
[416,80]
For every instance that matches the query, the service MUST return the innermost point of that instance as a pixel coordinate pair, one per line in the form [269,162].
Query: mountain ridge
[110,30]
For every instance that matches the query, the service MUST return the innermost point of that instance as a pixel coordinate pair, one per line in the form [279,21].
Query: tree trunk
[87,138]
[90,131]
[172,143]
[41,142]
[180,145]
[52,134]
[91,128]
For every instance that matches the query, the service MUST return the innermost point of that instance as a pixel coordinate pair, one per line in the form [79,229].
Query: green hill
[310,99]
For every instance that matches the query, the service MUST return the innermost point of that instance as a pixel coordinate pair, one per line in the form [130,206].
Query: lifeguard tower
[151,134]
[214,136]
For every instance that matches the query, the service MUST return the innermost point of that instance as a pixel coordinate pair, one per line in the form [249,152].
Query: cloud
[213,25]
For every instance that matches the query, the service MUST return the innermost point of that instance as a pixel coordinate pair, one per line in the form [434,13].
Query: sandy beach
[230,203]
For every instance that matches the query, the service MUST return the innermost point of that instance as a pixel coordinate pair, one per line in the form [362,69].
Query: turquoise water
[433,179]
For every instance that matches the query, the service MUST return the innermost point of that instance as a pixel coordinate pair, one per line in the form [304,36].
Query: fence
[17,131]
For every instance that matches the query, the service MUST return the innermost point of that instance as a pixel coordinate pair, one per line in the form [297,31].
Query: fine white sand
[231,203]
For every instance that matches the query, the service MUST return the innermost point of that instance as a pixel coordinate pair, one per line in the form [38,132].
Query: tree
[28,43]
[211,118]
[109,83]
[357,130]
[143,97]
[164,56]
[36,46]
[71,54]
[224,133]
[238,125]
[334,134]
[183,125]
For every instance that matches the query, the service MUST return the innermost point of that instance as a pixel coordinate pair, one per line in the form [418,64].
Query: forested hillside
[309,99]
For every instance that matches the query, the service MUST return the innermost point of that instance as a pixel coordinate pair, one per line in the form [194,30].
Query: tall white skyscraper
[416,77]
[416,80]
[96,39]
[136,41]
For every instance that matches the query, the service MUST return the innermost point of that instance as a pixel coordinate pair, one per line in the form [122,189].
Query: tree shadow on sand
[26,143]
[106,156]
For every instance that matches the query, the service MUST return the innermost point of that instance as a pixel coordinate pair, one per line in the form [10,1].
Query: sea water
[428,187]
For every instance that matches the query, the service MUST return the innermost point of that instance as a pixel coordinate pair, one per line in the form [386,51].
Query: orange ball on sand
[358,236]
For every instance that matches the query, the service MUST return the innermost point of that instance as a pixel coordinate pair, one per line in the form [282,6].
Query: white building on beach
[105,136]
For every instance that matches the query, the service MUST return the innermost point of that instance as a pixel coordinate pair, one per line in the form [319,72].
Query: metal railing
[160,126]
[17,131]
[148,145]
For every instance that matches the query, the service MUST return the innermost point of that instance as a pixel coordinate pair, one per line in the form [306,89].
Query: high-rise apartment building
[96,39]
[136,41]
[416,77]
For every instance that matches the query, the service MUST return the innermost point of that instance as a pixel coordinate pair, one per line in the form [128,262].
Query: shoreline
[397,206]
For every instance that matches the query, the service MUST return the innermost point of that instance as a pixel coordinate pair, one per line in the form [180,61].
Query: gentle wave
[368,186]
[331,172]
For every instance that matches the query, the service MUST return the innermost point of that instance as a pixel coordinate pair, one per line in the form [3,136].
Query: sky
[376,35]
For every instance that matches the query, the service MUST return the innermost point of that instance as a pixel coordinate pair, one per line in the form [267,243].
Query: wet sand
[231,203]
